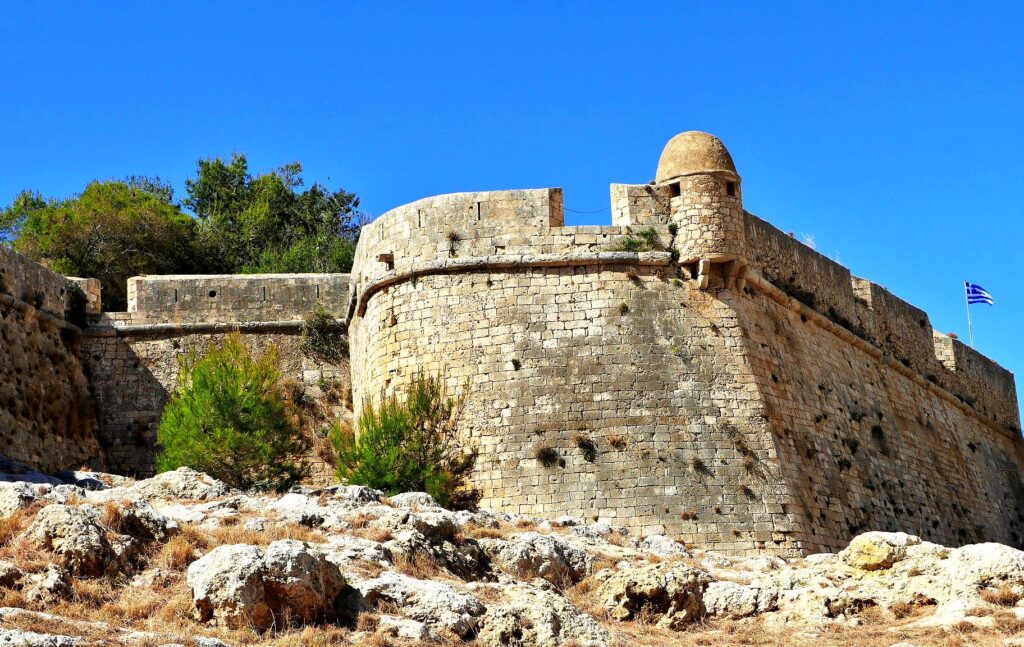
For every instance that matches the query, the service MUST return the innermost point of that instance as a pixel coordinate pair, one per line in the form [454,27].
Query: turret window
[730,189]
[673,190]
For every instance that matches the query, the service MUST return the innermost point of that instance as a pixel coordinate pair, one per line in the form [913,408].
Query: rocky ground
[182,559]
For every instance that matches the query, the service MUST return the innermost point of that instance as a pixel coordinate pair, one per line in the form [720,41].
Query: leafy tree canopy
[268,223]
[243,223]
[111,231]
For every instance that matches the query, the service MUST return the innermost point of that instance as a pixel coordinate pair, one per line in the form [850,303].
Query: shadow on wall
[129,399]
[133,376]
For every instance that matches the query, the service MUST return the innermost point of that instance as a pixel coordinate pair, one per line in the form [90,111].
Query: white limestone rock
[662,546]
[405,628]
[75,535]
[672,591]
[49,586]
[413,501]
[16,638]
[241,585]
[433,603]
[539,618]
[529,555]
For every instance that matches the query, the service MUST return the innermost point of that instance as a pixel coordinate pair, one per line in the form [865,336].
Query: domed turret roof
[693,152]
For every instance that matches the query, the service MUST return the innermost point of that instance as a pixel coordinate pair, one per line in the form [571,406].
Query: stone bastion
[689,369]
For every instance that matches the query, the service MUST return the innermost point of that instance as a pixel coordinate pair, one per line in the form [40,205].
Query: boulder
[17,638]
[142,521]
[9,575]
[241,585]
[537,618]
[227,587]
[75,536]
[529,555]
[670,591]
[876,550]
[182,483]
[300,579]
[413,501]
[15,496]
[405,628]
[48,587]
[662,546]
[734,600]
[433,603]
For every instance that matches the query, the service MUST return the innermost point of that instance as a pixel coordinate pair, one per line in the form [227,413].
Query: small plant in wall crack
[547,455]
[586,447]
[453,241]
[324,338]
[623,309]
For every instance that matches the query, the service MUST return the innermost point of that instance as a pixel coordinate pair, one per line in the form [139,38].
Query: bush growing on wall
[228,417]
[409,444]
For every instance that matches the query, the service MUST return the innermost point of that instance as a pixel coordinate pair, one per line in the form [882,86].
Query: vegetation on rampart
[409,444]
[229,417]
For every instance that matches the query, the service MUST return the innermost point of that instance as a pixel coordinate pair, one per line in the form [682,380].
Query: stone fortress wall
[730,385]
[690,369]
[133,357]
[46,415]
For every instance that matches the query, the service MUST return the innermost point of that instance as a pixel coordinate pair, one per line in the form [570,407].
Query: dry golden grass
[373,533]
[13,525]
[422,566]
[1004,596]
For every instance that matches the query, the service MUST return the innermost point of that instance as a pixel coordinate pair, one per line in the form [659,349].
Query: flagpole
[970,330]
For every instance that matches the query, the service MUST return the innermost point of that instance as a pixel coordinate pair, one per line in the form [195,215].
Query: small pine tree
[228,418]
[410,445]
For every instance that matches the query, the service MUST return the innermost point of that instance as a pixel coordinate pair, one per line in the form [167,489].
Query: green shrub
[409,444]
[645,240]
[324,337]
[228,417]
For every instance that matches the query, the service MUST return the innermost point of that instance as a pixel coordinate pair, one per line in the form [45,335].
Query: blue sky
[890,133]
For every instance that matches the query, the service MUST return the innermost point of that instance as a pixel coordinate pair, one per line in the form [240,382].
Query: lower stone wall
[863,447]
[46,416]
[133,372]
[648,370]
[728,420]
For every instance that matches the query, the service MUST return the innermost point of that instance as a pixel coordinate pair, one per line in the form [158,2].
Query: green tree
[111,231]
[410,444]
[268,223]
[228,417]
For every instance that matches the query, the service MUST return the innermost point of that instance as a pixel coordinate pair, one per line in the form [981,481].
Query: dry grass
[1004,596]
[15,524]
[421,566]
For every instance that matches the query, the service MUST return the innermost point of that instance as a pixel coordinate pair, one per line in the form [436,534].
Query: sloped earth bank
[183,559]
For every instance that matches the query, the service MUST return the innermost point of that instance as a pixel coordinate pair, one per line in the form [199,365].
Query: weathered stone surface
[74,535]
[530,555]
[434,603]
[672,592]
[538,618]
[877,550]
[240,585]
[16,638]
[413,500]
[735,600]
[49,586]
[15,496]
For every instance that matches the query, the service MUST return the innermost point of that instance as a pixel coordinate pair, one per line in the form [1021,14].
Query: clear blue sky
[891,134]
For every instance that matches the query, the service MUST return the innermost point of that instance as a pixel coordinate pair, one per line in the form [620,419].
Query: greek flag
[977,294]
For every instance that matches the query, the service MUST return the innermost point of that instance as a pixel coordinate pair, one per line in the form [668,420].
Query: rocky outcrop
[241,585]
[410,571]
[672,594]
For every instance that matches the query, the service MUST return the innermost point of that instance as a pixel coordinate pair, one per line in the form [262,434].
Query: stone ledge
[357,305]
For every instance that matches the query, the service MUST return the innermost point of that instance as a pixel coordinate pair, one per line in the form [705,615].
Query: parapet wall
[233,298]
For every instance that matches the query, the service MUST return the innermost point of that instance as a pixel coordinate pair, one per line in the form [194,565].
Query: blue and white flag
[977,294]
